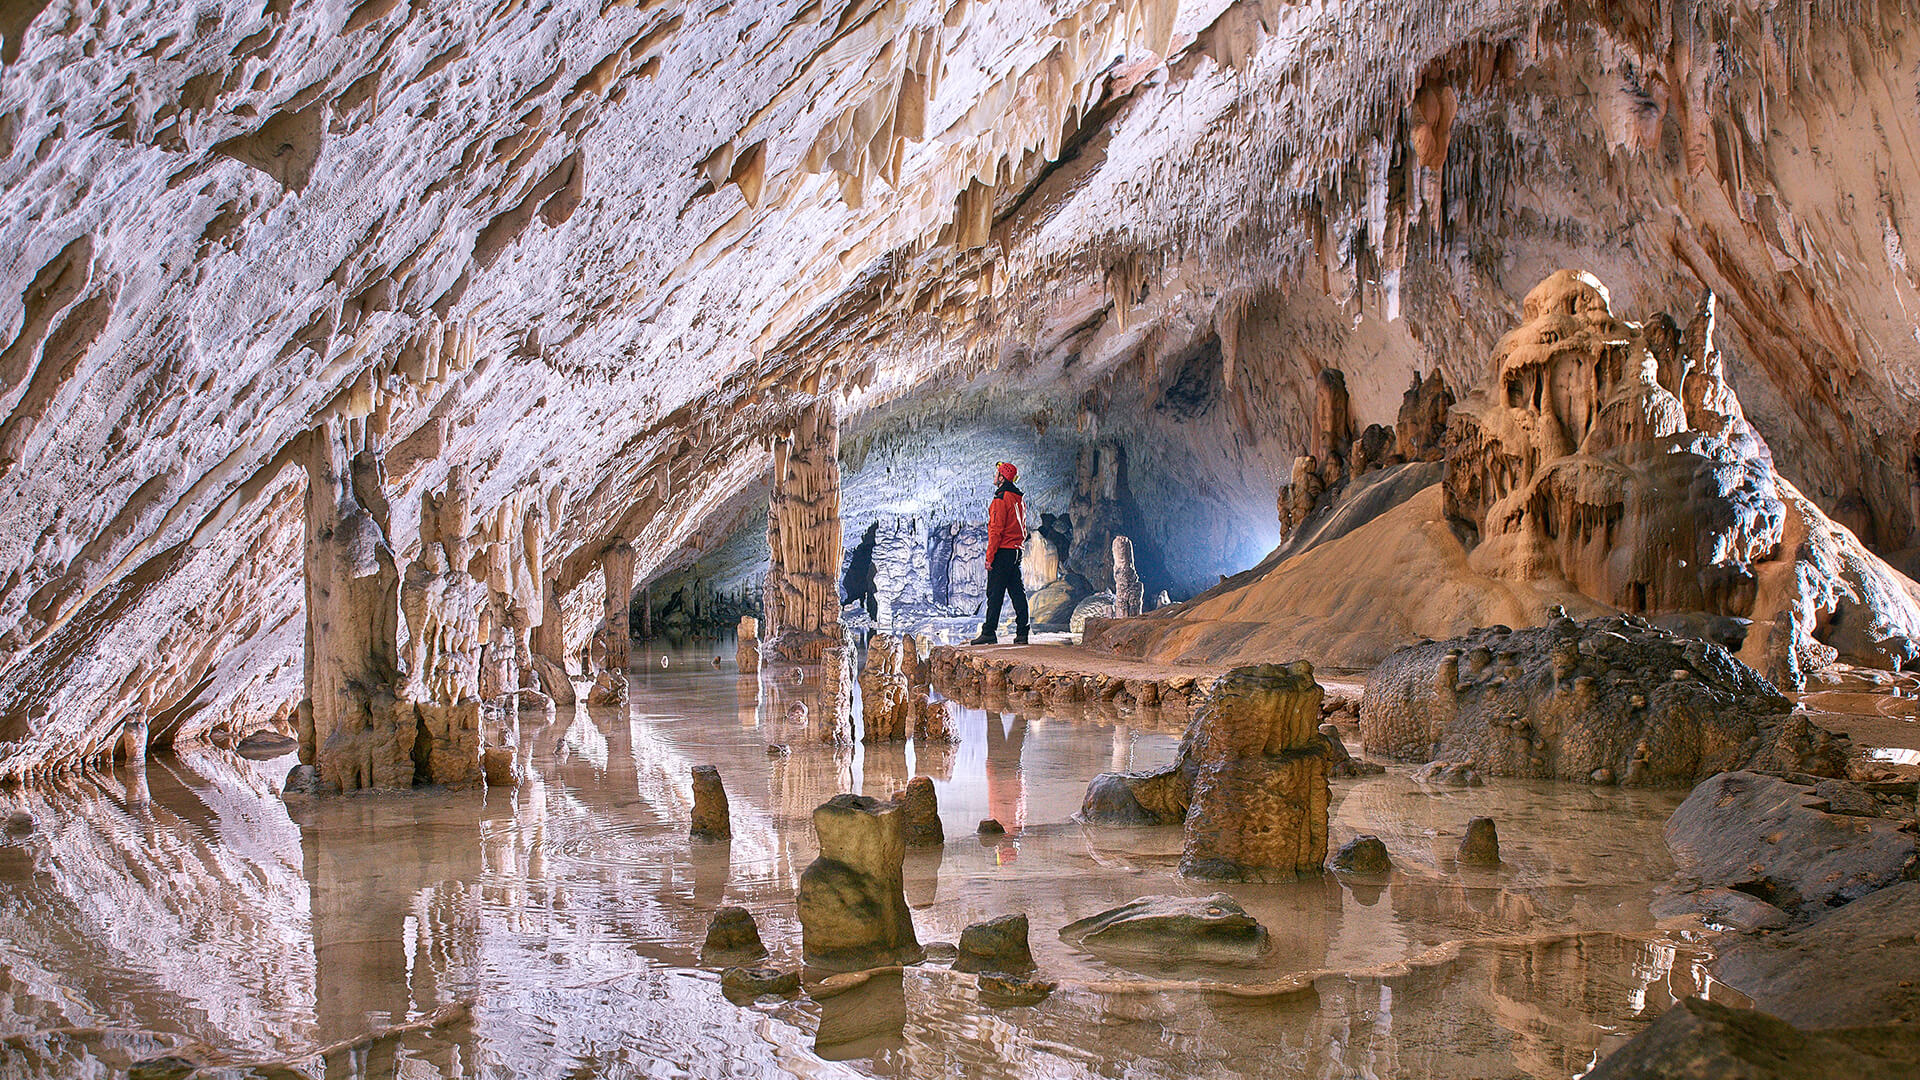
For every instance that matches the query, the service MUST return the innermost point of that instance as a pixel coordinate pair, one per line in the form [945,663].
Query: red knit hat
[1008,471]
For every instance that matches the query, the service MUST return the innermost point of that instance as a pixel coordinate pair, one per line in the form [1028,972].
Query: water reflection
[186,907]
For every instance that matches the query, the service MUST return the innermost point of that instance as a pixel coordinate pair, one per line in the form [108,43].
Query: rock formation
[1249,781]
[1481,845]
[1798,849]
[852,899]
[1576,460]
[616,634]
[1610,700]
[1702,1040]
[832,722]
[733,939]
[747,646]
[712,821]
[1212,929]
[1363,855]
[355,727]
[1421,428]
[998,945]
[802,594]
[920,814]
[1128,593]
[886,704]
[443,603]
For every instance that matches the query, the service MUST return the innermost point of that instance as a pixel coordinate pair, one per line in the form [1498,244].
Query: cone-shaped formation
[1128,593]
[1481,845]
[852,899]
[732,939]
[920,814]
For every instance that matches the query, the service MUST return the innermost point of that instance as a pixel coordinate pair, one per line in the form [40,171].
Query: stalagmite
[610,682]
[1332,420]
[852,899]
[885,705]
[355,729]
[1420,431]
[833,721]
[1481,845]
[747,646]
[803,534]
[920,814]
[1249,780]
[712,820]
[1128,592]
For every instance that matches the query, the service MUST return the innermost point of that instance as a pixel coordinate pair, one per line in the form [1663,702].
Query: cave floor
[188,909]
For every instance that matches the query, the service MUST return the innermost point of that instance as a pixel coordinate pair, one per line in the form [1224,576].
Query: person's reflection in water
[1006,783]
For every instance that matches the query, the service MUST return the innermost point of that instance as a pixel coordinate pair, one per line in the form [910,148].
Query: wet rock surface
[920,814]
[712,819]
[1249,782]
[1570,699]
[997,945]
[1775,841]
[1363,855]
[1701,1040]
[1213,929]
[1006,988]
[1853,965]
[852,900]
[746,983]
[1481,845]
[733,939]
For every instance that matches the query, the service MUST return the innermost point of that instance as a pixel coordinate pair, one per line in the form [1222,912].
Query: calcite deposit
[1609,700]
[886,705]
[1249,782]
[852,901]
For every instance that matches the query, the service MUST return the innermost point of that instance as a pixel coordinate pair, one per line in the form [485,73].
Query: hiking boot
[986,638]
[1020,637]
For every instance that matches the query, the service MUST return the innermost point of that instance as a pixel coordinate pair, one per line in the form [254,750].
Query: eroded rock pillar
[803,534]
[354,728]
[852,899]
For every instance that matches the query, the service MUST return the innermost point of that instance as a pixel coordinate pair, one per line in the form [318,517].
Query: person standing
[1006,531]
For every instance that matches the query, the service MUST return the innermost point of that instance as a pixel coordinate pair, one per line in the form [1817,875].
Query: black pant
[1003,577]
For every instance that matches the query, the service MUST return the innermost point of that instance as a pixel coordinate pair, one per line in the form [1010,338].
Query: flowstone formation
[1249,781]
[1622,463]
[1609,700]
[852,899]
[443,603]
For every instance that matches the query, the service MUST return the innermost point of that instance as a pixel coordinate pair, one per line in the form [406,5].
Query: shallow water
[186,908]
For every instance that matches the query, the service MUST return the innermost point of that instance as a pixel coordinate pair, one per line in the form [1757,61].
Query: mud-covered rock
[1701,1040]
[1570,699]
[1854,965]
[712,820]
[747,983]
[1008,988]
[1213,928]
[1481,845]
[1363,855]
[998,945]
[732,938]
[1771,839]
[920,814]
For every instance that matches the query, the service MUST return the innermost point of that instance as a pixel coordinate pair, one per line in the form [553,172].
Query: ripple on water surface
[552,930]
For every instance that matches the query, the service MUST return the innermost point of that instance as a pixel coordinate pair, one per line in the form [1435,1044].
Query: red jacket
[1006,521]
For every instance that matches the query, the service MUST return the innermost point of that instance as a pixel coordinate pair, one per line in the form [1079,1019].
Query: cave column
[354,727]
[803,535]
[616,568]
